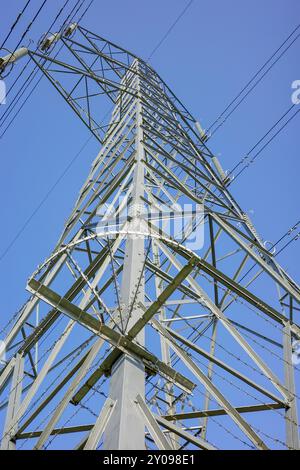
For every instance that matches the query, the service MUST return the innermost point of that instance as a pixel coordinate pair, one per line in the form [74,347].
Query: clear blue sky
[209,55]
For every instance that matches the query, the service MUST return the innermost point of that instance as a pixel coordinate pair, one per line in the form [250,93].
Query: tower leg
[291,418]
[126,429]
[13,405]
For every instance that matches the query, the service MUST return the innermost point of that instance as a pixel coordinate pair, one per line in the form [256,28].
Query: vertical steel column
[10,427]
[291,418]
[126,428]
[165,350]
[214,328]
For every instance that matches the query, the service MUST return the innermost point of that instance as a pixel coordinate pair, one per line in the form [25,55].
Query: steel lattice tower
[145,339]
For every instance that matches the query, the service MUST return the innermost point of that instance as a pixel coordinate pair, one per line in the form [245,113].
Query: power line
[22,89]
[27,82]
[8,110]
[24,102]
[74,159]
[288,232]
[120,148]
[260,140]
[29,60]
[17,97]
[85,11]
[30,25]
[44,199]
[170,29]
[293,239]
[15,24]
[28,220]
[74,10]
[245,159]
[35,71]
[252,80]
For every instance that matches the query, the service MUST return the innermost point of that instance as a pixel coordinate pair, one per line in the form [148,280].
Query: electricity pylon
[163,319]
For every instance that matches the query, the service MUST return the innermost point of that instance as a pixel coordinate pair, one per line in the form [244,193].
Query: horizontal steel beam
[167,292]
[221,364]
[240,290]
[293,290]
[221,411]
[65,430]
[152,425]
[213,390]
[197,441]
[121,342]
[149,313]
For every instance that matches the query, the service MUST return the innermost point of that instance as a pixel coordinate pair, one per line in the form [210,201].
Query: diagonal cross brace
[208,384]
[149,313]
[122,343]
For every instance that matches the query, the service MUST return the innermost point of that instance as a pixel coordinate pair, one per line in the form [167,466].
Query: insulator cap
[10,58]
[47,42]
[70,29]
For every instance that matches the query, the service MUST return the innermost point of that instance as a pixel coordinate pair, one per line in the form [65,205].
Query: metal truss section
[164,322]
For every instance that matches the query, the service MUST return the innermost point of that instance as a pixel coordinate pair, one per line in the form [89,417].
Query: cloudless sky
[209,55]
